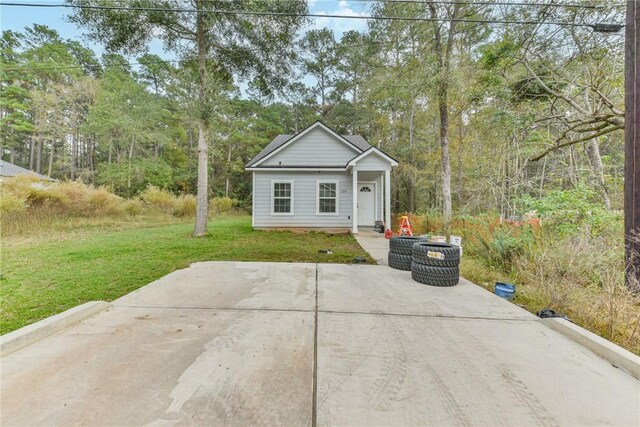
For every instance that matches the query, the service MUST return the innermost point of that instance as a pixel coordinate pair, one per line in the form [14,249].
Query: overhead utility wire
[486,3]
[286,14]
[470,2]
[165,61]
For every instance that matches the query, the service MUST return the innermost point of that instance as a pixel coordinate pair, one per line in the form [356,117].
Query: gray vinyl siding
[373,162]
[304,200]
[317,148]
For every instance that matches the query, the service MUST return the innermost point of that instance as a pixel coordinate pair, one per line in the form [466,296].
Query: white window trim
[281,181]
[327,181]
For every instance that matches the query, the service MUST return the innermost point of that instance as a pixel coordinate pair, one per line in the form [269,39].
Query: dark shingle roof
[273,145]
[280,140]
[9,169]
[358,141]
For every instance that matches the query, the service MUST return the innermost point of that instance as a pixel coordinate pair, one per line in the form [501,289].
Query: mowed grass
[40,279]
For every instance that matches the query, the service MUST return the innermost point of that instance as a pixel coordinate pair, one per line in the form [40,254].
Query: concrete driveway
[226,343]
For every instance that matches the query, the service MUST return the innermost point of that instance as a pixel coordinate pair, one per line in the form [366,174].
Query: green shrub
[127,180]
[10,202]
[132,207]
[501,247]
[84,200]
[103,201]
[185,206]
[43,195]
[221,205]
[567,211]
[159,199]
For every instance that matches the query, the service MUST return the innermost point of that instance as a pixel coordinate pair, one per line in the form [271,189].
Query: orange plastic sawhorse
[405,226]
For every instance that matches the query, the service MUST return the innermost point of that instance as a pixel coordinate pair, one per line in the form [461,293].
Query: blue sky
[17,18]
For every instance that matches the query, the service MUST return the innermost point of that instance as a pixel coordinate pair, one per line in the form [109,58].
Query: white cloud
[339,25]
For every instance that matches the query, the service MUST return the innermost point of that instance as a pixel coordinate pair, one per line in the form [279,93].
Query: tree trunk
[460,158]
[72,160]
[39,155]
[38,143]
[129,165]
[203,187]
[32,148]
[593,153]
[446,161]
[228,171]
[323,112]
[51,154]
[443,106]
[90,152]
[411,192]
[411,181]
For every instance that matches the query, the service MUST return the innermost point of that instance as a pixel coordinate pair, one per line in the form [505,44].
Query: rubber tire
[403,244]
[399,261]
[451,254]
[435,276]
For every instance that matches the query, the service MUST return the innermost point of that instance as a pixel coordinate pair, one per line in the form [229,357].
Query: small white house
[321,179]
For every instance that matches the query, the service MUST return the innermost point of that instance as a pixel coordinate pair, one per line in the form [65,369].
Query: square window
[327,205]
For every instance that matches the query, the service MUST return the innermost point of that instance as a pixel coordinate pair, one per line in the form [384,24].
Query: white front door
[366,204]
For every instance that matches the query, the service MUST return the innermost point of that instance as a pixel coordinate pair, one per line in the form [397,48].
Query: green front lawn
[40,279]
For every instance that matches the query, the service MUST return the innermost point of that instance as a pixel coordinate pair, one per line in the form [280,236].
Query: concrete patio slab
[243,343]
[150,366]
[260,285]
[366,289]
[396,370]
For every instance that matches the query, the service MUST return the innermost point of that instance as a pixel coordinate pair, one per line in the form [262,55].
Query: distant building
[9,169]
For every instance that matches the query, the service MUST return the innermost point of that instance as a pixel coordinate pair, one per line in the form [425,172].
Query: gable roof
[9,169]
[373,150]
[356,141]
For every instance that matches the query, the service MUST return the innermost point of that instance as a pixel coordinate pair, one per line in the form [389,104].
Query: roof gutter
[296,169]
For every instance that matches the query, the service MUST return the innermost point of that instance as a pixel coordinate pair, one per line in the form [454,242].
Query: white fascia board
[371,150]
[267,169]
[304,132]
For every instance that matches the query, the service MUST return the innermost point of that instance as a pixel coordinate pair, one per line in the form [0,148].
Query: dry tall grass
[29,206]
[579,274]
[582,276]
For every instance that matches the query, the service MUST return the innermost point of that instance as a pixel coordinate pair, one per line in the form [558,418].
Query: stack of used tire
[435,264]
[400,251]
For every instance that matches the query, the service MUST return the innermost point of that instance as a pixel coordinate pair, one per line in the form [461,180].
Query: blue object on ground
[505,290]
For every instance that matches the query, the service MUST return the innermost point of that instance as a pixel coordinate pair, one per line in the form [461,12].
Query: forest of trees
[480,116]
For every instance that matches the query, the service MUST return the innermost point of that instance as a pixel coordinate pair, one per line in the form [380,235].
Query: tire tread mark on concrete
[353,366]
[394,369]
[535,407]
[467,363]
[445,395]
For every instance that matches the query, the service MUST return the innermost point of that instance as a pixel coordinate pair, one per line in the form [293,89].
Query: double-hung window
[327,198]
[282,198]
